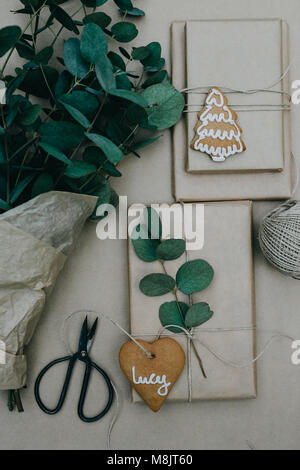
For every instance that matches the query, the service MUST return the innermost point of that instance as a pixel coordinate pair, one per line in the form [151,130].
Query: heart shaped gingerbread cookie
[152,378]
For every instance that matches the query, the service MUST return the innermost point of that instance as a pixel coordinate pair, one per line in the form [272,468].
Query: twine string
[190,335]
[247,108]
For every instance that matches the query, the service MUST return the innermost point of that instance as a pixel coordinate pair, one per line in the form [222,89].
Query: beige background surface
[96,277]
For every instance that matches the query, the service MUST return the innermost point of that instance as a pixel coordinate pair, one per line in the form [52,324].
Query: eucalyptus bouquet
[93,100]
[66,122]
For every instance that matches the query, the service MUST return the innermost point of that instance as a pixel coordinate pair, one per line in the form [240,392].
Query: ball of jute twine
[279,238]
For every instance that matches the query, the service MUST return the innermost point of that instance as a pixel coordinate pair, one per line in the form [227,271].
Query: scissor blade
[83,336]
[91,334]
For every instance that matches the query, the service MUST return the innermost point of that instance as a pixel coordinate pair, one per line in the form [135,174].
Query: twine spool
[279,238]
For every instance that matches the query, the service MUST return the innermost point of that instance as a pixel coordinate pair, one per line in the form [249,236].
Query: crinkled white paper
[35,239]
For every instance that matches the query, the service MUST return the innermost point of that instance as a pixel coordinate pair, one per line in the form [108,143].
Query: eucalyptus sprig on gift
[70,119]
[193,276]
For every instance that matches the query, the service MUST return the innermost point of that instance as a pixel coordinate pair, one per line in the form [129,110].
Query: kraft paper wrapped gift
[191,187]
[225,62]
[228,248]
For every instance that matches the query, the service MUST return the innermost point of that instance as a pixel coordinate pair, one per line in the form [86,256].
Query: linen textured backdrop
[95,277]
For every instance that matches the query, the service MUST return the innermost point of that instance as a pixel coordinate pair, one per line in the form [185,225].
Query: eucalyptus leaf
[93,43]
[173,313]
[124,31]
[64,18]
[159,77]
[117,60]
[79,169]
[171,249]
[104,72]
[73,59]
[30,115]
[4,206]
[62,134]
[153,223]
[140,53]
[77,115]
[129,96]
[144,247]
[86,103]
[165,104]
[113,153]
[55,152]
[198,314]
[8,38]
[154,54]
[133,12]
[155,285]
[194,276]
[100,18]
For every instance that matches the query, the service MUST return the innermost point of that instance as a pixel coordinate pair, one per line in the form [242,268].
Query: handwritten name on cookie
[153,379]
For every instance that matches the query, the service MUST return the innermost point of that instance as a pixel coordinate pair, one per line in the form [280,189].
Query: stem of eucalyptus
[182,317]
[32,18]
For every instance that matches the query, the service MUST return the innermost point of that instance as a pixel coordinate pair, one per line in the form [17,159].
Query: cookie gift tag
[217,131]
[152,377]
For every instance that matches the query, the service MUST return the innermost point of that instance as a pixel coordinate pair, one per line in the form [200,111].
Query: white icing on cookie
[153,379]
[216,99]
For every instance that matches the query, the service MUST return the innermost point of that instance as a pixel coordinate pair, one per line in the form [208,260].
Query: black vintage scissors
[85,343]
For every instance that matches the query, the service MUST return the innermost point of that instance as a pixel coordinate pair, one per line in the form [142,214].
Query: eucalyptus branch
[32,18]
[183,320]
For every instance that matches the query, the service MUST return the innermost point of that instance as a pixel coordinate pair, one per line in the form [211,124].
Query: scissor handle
[88,369]
[64,391]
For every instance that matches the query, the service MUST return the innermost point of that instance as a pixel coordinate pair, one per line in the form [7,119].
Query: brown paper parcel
[35,241]
[228,248]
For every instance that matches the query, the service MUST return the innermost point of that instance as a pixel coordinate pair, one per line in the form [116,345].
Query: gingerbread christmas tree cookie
[217,131]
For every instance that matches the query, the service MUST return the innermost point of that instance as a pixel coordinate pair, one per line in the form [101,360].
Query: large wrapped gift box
[228,248]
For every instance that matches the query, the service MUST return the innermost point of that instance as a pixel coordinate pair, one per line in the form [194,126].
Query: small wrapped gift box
[230,334]
[237,65]
[190,182]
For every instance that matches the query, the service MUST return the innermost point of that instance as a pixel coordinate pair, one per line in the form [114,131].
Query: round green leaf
[154,285]
[170,313]
[93,43]
[80,169]
[124,31]
[140,53]
[154,54]
[55,152]
[8,38]
[74,62]
[198,314]
[144,246]
[165,105]
[129,96]
[171,249]
[194,276]
[133,12]
[153,223]
[100,18]
[86,103]
[77,115]
[61,134]
[30,115]
[112,152]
